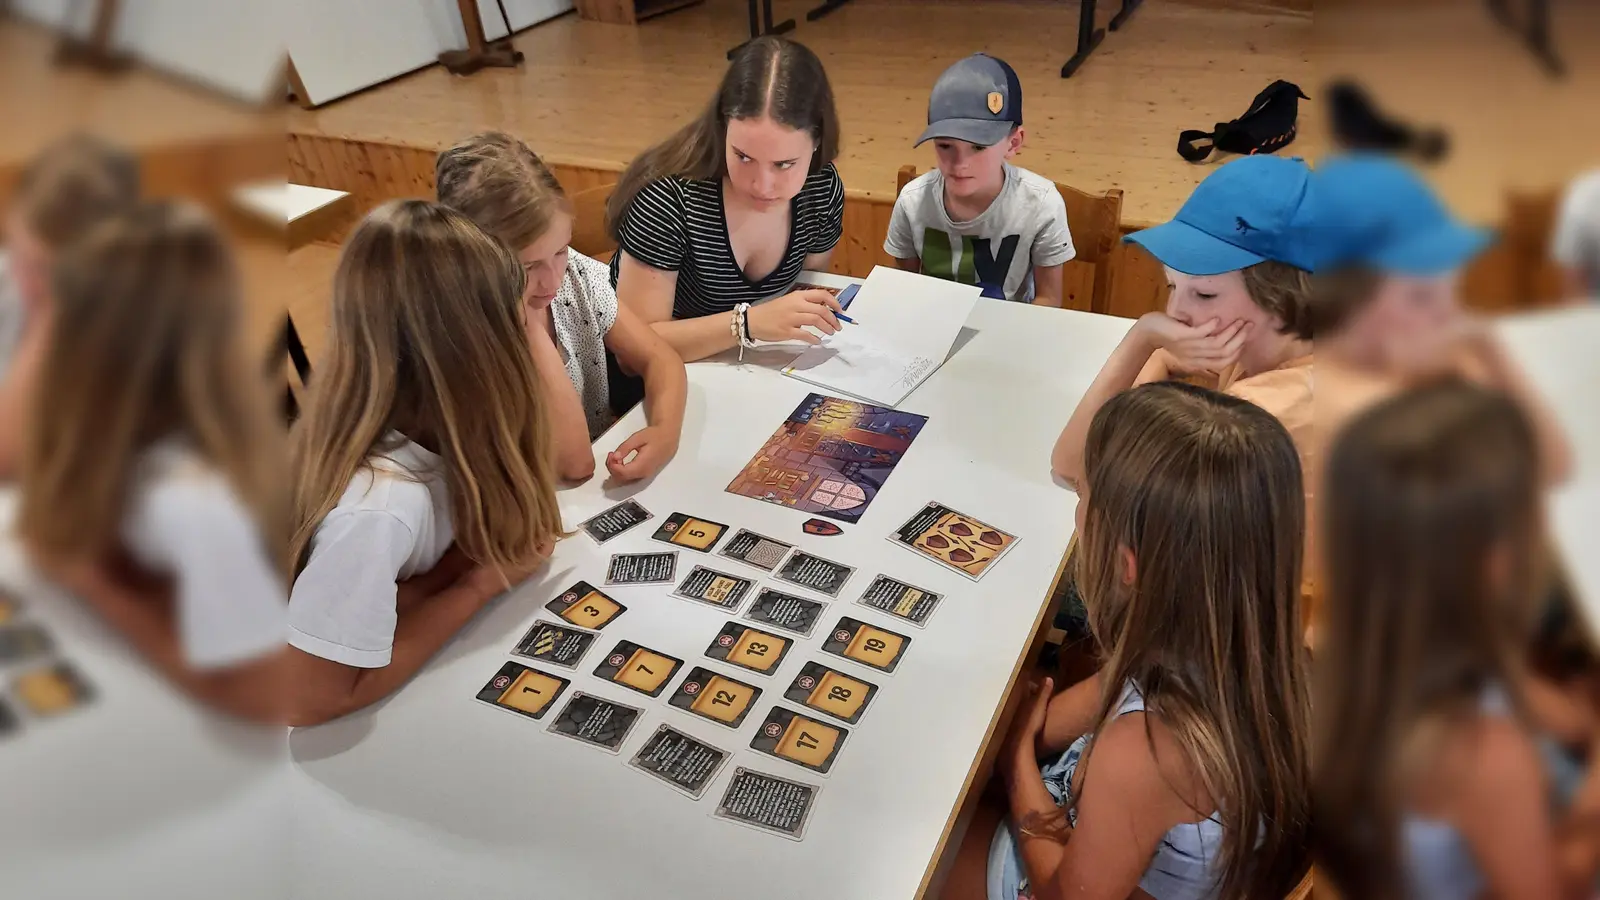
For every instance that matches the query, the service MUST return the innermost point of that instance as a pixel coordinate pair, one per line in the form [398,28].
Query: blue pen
[844,318]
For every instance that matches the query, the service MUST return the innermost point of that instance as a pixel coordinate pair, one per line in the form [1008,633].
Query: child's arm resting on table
[1052,249]
[356,634]
[1047,289]
[1209,347]
[323,690]
[641,351]
[141,611]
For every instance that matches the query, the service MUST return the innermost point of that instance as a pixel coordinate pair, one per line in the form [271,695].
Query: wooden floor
[1512,126]
[140,109]
[594,94]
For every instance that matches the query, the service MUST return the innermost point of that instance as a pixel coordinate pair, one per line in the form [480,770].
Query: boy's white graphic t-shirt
[392,522]
[1025,226]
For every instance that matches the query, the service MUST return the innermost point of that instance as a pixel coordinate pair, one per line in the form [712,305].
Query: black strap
[1192,153]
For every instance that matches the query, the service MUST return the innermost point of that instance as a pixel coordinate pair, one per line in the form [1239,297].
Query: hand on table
[786,318]
[651,447]
[1207,347]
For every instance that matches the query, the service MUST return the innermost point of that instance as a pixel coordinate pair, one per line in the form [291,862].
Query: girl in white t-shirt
[573,316]
[425,428]
[152,451]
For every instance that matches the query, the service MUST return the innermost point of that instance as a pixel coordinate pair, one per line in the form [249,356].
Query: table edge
[1001,716]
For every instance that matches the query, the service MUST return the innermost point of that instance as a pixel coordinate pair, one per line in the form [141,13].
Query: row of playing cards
[952,539]
[44,687]
[746,646]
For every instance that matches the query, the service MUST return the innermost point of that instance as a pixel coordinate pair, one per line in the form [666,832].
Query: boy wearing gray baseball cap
[976,218]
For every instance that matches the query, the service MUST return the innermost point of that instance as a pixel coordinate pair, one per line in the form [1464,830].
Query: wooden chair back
[1530,226]
[1095,221]
[589,235]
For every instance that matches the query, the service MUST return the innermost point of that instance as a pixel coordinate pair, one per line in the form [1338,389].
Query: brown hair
[428,341]
[73,185]
[147,344]
[1339,296]
[1284,291]
[1205,490]
[768,76]
[1421,490]
[502,185]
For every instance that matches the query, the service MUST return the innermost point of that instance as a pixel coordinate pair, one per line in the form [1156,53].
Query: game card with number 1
[523,690]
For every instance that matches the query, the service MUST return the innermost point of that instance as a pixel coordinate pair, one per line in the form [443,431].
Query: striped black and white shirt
[678,225]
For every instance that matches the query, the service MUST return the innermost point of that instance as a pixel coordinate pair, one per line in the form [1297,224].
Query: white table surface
[138,794]
[436,794]
[1560,352]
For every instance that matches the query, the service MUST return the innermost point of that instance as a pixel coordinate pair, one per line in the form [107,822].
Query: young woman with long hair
[730,209]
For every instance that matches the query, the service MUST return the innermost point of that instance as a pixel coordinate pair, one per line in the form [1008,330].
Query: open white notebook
[906,325]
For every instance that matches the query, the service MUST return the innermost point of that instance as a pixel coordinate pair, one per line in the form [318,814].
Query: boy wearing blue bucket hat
[1237,257]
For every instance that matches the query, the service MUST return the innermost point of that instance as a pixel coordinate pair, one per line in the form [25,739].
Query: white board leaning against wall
[342,46]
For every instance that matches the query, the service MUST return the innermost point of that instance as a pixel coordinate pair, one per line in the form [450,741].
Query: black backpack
[1268,125]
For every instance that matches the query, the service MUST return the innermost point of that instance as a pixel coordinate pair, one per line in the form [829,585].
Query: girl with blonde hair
[151,450]
[573,315]
[425,429]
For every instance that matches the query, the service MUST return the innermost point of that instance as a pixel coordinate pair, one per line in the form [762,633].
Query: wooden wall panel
[373,173]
